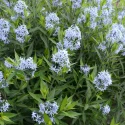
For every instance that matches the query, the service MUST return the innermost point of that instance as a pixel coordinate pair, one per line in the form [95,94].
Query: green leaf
[86,107]
[11,76]
[88,92]
[113,122]
[37,29]
[48,4]
[44,89]
[99,55]
[47,119]
[81,62]
[70,105]
[16,57]
[93,74]
[60,35]
[22,98]
[23,85]
[75,75]
[39,62]
[45,41]
[84,117]
[36,97]
[70,114]
[5,118]
[20,75]
[51,95]
[1,122]
[9,115]
[49,64]
[35,58]
[11,61]
[63,104]
[30,50]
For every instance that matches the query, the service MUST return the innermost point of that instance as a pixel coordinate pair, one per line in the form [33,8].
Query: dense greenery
[79,99]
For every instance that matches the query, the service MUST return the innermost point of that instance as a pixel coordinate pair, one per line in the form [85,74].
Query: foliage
[53,53]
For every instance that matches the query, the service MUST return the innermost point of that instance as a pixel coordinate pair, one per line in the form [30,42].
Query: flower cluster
[72,38]
[102,80]
[99,15]
[60,60]
[81,19]
[23,64]
[59,46]
[26,64]
[106,16]
[85,69]
[121,15]
[93,12]
[4,30]
[52,20]
[102,46]
[57,3]
[57,29]
[116,34]
[4,105]
[123,54]
[98,3]
[1,76]
[20,8]
[3,83]
[76,4]
[120,48]
[7,64]
[108,5]
[21,33]
[8,4]
[105,109]
[49,108]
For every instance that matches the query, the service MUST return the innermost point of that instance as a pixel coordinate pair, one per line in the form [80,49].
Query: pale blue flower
[49,108]
[4,105]
[55,68]
[102,46]
[21,32]
[1,76]
[105,109]
[81,19]
[7,64]
[8,4]
[61,59]
[93,12]
[102,80]
[121,15]
[56,3]
[52,20]
[106,17]
[20,8]
[42,108]
[4,30]
[72,38]
[26,64]
[37,118]
[116,34]
[120,48]
[85,69]
[76,4]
